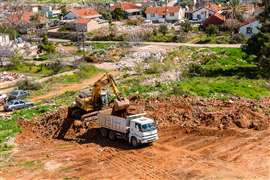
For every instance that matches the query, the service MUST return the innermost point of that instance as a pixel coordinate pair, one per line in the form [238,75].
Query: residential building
[250,27]
[4,40]
[131,9]
[215,19]
[23,20]
[87,25]
[202,13]
[50,12]
[161,14]
[86,13]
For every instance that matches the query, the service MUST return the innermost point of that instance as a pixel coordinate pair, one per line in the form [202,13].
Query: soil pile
[48,124]
[191,112]
[186,112]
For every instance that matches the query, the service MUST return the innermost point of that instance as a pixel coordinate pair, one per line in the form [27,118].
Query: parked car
[17,94]
[3,98]
[17,104]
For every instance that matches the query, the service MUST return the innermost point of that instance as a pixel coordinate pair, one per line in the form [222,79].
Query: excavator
[87,105]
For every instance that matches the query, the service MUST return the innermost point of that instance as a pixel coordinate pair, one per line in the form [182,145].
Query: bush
[134,22]
[237,39]
[47,46]
[186,26]
[28,85]
[163,29]
[212,30]
[118,14]
[181,37]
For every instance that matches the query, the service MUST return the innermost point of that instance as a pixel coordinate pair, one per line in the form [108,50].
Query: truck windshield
[148,127]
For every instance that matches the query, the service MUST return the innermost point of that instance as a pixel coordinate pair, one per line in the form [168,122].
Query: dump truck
[136,129]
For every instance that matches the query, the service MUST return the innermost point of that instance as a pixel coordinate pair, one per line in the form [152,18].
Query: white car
[3,98]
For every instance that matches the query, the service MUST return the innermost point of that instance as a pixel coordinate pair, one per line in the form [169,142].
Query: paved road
[157,43]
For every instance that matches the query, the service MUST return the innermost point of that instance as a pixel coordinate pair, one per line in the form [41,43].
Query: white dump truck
[136,129]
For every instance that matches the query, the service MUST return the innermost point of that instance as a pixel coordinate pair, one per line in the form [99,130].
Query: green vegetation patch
[225,86]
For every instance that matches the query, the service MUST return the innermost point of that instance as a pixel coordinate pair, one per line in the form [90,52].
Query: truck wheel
[112,135]
[134,142]
[104,132]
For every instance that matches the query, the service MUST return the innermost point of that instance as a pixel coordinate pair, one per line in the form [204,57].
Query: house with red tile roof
[202,13]
[24,18]
[162,14]
[23,21]
[215,19]
[77,13]
[130,9]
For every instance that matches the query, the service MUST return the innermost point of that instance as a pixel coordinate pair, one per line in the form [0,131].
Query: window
[249,30]
[198,16]
[152,15]
[171,14]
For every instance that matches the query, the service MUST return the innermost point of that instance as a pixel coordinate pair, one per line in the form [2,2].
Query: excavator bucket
[121,104]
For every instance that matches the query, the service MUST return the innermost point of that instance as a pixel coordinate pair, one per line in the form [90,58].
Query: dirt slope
[187,149]
[62,88]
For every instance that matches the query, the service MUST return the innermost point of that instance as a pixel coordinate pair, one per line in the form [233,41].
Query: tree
[64,10]
[232,25]
[212,30]
[46,46]
[186,26]
[163,29]
[118,14]
[234,9]
[258,45]
[184,3]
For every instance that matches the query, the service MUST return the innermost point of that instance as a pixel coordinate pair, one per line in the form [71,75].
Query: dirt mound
[47,125]
[187,112]
[191,112]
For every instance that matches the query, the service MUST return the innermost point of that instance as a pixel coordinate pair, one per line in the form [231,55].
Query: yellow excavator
[88,104]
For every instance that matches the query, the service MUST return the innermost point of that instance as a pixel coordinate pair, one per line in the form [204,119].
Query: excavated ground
[199,139]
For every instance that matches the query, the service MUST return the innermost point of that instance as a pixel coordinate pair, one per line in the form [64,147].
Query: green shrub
[212,30]
[186,26]
[237,39]
[163,29]
[28,85]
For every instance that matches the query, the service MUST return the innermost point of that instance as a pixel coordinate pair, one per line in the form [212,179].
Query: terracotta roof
[82,21]
[161,10]
[80,12]
[125,6]
[25,17]
[213,7]
[216,19]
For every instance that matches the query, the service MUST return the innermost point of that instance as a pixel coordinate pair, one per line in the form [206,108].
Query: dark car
[17,94]
[17,104]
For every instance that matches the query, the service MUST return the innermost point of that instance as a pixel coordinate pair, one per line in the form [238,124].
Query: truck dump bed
[113,122]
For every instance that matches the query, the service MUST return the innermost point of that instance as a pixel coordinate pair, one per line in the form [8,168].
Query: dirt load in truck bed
[199,139]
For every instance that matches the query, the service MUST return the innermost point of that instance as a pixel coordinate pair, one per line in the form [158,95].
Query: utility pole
[166,8]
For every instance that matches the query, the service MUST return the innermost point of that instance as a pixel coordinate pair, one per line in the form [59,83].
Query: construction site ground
[199,139]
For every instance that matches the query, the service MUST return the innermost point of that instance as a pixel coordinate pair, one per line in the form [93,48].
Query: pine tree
[259,44]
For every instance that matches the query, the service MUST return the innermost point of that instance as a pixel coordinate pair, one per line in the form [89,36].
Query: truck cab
[142,130]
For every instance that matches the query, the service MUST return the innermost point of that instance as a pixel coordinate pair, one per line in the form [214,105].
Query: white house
[4,40]
[250,28]
[161,14]
[201,14]
[48,11]
[87,13]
